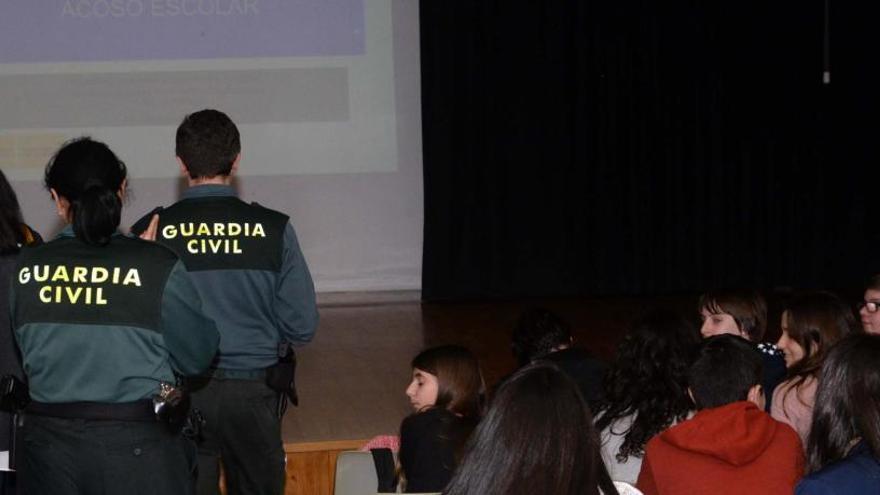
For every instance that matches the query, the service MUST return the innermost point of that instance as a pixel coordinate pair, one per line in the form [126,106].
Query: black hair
[88,175]
[537,437]
[11,222]
[726,368]
[207,143]
[847,404]
[648,379]
[537,333]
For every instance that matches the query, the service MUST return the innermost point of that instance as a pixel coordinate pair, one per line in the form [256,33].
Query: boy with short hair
[731,445]
[743,313]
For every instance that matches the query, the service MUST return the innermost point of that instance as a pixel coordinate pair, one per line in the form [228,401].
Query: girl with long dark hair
[645,390]
[843,450]
[812,323]
[104,323]
[537,437]
[446,393]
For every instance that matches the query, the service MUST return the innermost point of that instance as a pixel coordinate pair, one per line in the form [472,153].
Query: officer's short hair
[726,368]
[207,142]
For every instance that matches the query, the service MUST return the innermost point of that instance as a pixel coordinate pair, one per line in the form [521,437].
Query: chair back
[355,474]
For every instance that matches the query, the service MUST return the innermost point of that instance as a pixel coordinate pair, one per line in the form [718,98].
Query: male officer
[246,263]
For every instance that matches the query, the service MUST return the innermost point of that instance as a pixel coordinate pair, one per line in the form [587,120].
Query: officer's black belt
[141,410]
[228,374]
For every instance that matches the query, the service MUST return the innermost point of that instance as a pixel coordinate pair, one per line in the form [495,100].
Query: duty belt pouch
[281,376]
[14,394]
[14,397]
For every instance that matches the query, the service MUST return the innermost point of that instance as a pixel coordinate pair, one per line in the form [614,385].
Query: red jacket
[735,449]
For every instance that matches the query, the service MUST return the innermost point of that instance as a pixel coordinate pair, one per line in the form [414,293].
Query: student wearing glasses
[868,308]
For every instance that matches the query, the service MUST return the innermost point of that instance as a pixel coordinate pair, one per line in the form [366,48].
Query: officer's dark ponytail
[89,176]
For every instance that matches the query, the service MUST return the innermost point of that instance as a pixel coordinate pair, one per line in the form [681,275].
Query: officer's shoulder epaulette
[769,349]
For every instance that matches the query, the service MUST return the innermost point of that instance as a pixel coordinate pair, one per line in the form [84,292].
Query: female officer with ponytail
[103,321]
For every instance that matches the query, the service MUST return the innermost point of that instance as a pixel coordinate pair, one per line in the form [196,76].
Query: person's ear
[122,188]
[62,205]
[183,170]
[756,396]
[234,169]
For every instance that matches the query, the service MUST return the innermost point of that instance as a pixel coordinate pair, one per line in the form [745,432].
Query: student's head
[737,312]
[811,323]
[847,401]
[537,437]
[869,308]
[728,369]
[648,379]
[87,182]
[538,333]
[208,144]
[447,377]
[11,234]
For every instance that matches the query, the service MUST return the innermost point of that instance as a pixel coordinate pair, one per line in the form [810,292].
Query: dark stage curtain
[635,147]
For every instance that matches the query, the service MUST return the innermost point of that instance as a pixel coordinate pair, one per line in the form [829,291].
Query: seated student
[645,390]
[743,313]
[445,393]
[541,334]
[811,323]
[731,445]
[536,438]
[843,452]
[869,308]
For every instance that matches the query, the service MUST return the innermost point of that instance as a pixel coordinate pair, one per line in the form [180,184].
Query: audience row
[672,414]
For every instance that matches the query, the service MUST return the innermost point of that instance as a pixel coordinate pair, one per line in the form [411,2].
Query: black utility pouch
[281,377]
[14,394]
[14,398]
[193,425]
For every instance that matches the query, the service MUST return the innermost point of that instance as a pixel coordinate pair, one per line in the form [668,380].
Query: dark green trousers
[90,457]
[243,432]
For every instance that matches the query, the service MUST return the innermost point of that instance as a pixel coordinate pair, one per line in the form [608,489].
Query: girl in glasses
[869,309]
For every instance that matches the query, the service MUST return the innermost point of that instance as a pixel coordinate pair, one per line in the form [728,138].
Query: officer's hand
[150,233]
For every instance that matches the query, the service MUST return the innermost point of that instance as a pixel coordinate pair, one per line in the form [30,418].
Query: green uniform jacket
[247,265]
[106,323]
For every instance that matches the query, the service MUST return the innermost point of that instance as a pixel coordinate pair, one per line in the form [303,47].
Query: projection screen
[325,93]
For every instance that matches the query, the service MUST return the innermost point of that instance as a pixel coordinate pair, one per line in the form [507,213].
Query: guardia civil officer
[246,262]
[102,321]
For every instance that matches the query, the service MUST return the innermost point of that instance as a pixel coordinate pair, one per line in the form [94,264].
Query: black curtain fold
[636,147]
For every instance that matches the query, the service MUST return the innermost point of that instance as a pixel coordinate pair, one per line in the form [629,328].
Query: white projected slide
[325,92]
[310,82]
